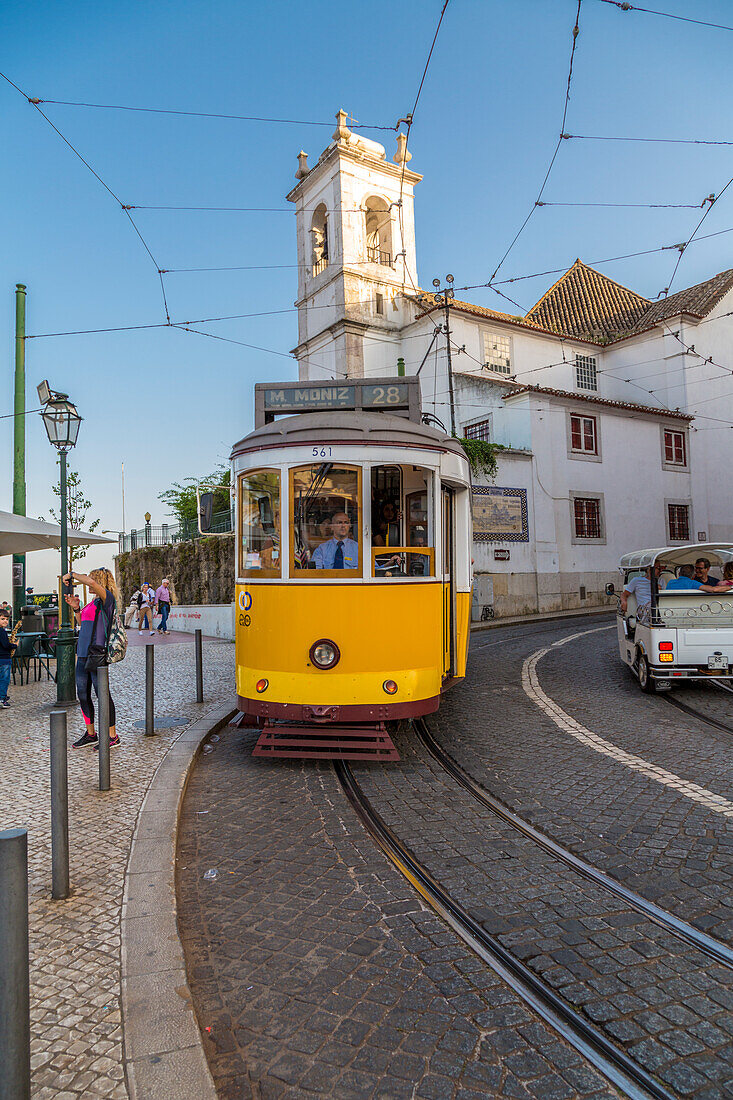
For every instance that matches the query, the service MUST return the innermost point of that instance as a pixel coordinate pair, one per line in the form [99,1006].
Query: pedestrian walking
[94,622]
[163,600]
[132,608]
[147,608]
[7,645]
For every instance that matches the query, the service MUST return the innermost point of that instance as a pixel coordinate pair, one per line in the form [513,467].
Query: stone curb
[545,617]
[163,1054]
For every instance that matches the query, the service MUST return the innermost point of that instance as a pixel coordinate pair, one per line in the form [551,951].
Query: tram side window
[326,528]
[401,520]
[259,524]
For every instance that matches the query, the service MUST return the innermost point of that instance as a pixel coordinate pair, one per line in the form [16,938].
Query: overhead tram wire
[713,198]
[661,141]
[631,205]
[410,118]
[517,235]
[665,14]
[106,186]
[200,114]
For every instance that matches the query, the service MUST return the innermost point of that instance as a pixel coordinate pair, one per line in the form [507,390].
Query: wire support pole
[444,296]
[59,807]
[15,1021]
[19,502]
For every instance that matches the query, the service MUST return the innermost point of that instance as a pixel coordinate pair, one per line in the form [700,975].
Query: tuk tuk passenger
[687,582]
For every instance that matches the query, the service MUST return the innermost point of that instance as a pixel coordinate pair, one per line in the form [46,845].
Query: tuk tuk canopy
[717,553]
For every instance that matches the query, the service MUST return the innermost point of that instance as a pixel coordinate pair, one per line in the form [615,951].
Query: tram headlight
[262,685]
[324,653]
[390,687]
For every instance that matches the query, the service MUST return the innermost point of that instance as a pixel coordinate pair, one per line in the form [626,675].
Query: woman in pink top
[100,609]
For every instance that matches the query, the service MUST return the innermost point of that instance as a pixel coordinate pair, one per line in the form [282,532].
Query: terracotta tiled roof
[627,406]
[697,300]
[588,305]
[428,303]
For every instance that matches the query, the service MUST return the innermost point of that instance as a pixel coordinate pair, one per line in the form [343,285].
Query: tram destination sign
[398,396]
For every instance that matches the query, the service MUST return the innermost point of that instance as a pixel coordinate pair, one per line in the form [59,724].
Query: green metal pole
[19,445]
[400,367]
[65,679]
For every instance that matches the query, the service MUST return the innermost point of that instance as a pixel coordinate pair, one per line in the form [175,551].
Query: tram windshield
[325,519]
[259,524]
[401,521]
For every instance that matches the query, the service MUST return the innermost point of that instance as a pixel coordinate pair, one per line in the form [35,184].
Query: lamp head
[61,421]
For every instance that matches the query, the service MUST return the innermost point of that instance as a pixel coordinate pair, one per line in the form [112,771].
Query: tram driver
[340,551]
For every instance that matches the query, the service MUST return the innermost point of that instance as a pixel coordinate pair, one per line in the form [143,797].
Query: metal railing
[376,256]
[319,266]
[168,533]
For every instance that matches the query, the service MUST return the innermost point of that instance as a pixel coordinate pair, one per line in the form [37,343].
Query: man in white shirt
[642,588]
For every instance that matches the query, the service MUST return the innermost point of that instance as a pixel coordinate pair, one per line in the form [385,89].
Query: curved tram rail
[698,714]
[618,1068]
[692,936]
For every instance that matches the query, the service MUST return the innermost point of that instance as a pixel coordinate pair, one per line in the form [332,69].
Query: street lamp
[62,421]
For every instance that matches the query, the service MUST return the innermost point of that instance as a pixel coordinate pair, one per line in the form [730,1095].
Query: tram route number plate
[718,660]
[295,399]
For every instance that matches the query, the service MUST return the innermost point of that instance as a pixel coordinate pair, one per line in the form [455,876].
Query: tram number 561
[321,452]
[386,395]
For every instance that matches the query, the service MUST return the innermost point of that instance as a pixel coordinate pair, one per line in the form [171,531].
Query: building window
[379,304]
[679,522]
[583,435]
[480,429]
[497,353]
[675,452]
[587,518]
[586,377]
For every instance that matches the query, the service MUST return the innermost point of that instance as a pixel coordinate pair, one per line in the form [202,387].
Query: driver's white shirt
[642,588]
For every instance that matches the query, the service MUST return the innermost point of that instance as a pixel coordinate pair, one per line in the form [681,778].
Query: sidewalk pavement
[76,1030]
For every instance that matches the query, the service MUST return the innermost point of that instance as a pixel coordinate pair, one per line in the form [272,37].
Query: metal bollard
[199,668]
[59,808]
[15,1021]
[149,689]
[103,726]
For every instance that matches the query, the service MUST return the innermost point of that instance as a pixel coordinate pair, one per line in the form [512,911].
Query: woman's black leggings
[84,683]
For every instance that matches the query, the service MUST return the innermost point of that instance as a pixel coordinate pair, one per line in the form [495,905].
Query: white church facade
[610,412]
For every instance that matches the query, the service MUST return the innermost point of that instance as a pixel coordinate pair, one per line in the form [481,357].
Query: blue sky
[168,403]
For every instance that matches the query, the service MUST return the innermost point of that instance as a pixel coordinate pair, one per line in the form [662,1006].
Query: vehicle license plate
[717,660]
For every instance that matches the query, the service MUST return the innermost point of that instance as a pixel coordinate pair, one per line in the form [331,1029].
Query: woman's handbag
[114,647]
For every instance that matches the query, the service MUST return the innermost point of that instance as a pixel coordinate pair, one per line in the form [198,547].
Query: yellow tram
[353,566]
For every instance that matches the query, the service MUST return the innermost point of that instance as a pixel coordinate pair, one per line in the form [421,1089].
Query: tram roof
[717,552]
[360,429]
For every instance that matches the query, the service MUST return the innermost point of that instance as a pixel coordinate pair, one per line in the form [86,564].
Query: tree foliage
[180,499]
[77,510]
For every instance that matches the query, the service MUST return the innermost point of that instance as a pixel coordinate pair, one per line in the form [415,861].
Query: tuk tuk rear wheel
[646,683]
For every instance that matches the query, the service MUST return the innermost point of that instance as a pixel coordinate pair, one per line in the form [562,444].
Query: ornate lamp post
[62,422]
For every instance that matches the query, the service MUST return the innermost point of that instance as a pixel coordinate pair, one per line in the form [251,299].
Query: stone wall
[200,572]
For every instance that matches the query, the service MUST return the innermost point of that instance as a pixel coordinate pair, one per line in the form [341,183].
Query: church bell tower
[357,267]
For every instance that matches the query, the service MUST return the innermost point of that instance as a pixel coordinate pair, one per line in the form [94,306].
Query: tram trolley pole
[199,667]
[59,808]
[149,689]
[15,1021]
[103,728]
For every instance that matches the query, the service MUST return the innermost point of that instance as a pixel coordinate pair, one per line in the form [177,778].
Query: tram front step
[328,742]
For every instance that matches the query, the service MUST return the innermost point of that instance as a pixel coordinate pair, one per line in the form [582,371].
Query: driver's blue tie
[338,558]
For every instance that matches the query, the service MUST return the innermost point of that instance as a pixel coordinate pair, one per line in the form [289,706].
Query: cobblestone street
[75,944]
[317,970]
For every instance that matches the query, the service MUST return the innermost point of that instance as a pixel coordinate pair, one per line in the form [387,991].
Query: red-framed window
[480,430]
[587,518]
[675,450]
[584,435]
[679,522]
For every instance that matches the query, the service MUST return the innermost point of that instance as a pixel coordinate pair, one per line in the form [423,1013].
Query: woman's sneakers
[85,740]
[112,742]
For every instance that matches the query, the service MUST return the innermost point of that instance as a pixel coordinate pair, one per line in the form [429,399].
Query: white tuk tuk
[680,635]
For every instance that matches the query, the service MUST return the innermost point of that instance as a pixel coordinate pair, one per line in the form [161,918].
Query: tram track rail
[715,949]
[687,709]
[613,1063]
